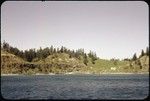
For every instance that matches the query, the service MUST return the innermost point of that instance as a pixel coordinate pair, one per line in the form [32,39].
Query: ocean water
[115,86]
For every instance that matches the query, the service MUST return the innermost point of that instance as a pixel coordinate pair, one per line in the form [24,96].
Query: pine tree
[62,49]
[51,49]
[54,51]
[45,52]
[29,55]
[115,62]
[142,53]
[58,51]
[147,51]
[93,56]
[134,57]
[6,46]
[85,59]
[39,53]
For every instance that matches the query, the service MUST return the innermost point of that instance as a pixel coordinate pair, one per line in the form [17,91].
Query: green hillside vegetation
[63,60]
[10,63]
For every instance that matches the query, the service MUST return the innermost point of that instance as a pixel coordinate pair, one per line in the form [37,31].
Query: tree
[29,55]
[81,52]
[45,52]
[21,54]
[77,54]
[147,51]
[71,53]
[58,51]
[139,64]
[134,57]
[54,51]
[39,53]
[62,49]
[65,50]
[16,51]
[6,46]
[115,61]
[51,49]
[142,53]
[93,56]
[85,61]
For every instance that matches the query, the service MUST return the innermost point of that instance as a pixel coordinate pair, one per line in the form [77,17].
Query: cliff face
[56,63]
[10,63]
[141,64]
[10,58]
[144,61]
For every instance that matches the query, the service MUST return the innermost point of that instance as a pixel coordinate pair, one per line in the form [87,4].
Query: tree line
[135,57]
[42,53]
[142,54]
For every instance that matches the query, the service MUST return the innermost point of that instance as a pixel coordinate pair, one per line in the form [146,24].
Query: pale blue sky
[113,29]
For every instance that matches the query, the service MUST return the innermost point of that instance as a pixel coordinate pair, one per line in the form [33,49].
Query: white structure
[113,68]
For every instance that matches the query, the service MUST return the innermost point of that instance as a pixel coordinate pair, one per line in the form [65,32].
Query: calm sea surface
[114,86]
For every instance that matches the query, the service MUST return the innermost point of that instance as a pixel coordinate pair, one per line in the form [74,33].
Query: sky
[112,29]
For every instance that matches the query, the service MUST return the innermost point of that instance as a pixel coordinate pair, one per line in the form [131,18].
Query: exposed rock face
[13,64]
[10,58]
[141,63]
[144,61]
[10,63]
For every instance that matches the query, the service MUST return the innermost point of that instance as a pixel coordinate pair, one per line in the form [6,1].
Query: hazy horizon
[112,29]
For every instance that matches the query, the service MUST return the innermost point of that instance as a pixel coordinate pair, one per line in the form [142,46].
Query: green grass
[62,63]
[102,65]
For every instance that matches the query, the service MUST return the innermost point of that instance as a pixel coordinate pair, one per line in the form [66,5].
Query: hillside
[56,63]
[10,63]
[63,60]
[61,63]
[141,64]
[11,58]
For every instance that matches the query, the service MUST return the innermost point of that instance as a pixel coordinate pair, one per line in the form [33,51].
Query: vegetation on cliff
[63,60]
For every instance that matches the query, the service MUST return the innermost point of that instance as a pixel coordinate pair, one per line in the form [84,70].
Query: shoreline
[73,74]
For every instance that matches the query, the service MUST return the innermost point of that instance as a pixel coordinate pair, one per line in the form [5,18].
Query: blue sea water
[114,86]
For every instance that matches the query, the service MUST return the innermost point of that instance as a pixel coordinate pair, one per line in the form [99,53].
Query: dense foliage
[31,54]
[63,60]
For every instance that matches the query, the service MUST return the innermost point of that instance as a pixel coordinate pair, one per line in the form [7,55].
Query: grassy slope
[10,62]
[10,58]
[102,65]
[61,63]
